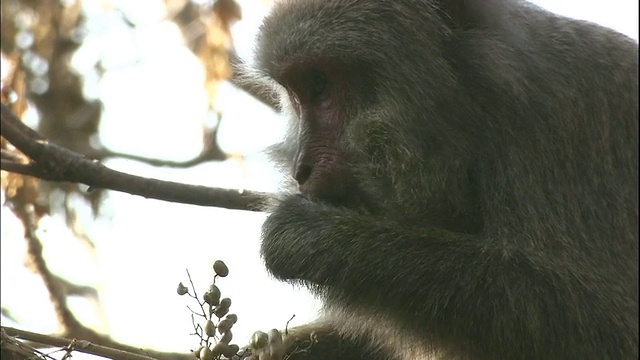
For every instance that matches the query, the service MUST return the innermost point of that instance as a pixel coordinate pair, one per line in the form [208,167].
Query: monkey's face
[324,100]
[345,148]
[367,132]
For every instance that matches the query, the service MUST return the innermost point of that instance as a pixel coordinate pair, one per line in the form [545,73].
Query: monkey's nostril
[302,173]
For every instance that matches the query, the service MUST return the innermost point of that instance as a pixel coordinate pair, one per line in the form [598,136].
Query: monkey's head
[372,128]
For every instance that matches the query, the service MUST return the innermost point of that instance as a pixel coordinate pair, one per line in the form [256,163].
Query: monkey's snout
[302,173]
[316,181]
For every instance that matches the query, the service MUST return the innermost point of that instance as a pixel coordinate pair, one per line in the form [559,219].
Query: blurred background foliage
[62,60]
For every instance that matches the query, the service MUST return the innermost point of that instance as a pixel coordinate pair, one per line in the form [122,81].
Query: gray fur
[495,151]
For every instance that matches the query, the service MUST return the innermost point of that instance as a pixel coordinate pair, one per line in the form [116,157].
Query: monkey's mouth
[350,197]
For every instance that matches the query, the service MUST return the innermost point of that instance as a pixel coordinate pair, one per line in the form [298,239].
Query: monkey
[463,179]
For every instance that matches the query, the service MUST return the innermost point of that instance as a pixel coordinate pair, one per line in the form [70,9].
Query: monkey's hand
[320,341]
[298,241]
[346,249]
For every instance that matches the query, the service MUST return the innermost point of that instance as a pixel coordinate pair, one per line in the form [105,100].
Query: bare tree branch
[54,163]
[9,335]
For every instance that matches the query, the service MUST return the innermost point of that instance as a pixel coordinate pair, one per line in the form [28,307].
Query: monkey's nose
[302,172]
[303,166]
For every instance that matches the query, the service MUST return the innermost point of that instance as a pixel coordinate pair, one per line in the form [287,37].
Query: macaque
[464,179]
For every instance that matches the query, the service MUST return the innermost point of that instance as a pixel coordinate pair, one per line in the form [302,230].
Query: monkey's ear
[472,14]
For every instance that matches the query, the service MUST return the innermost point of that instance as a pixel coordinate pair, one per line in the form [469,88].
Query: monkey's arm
[325,245]
[470,288]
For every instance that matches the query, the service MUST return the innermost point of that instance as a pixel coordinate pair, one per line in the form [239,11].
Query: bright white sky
[143,246]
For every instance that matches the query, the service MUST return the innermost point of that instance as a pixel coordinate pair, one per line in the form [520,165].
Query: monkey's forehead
[296,31]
